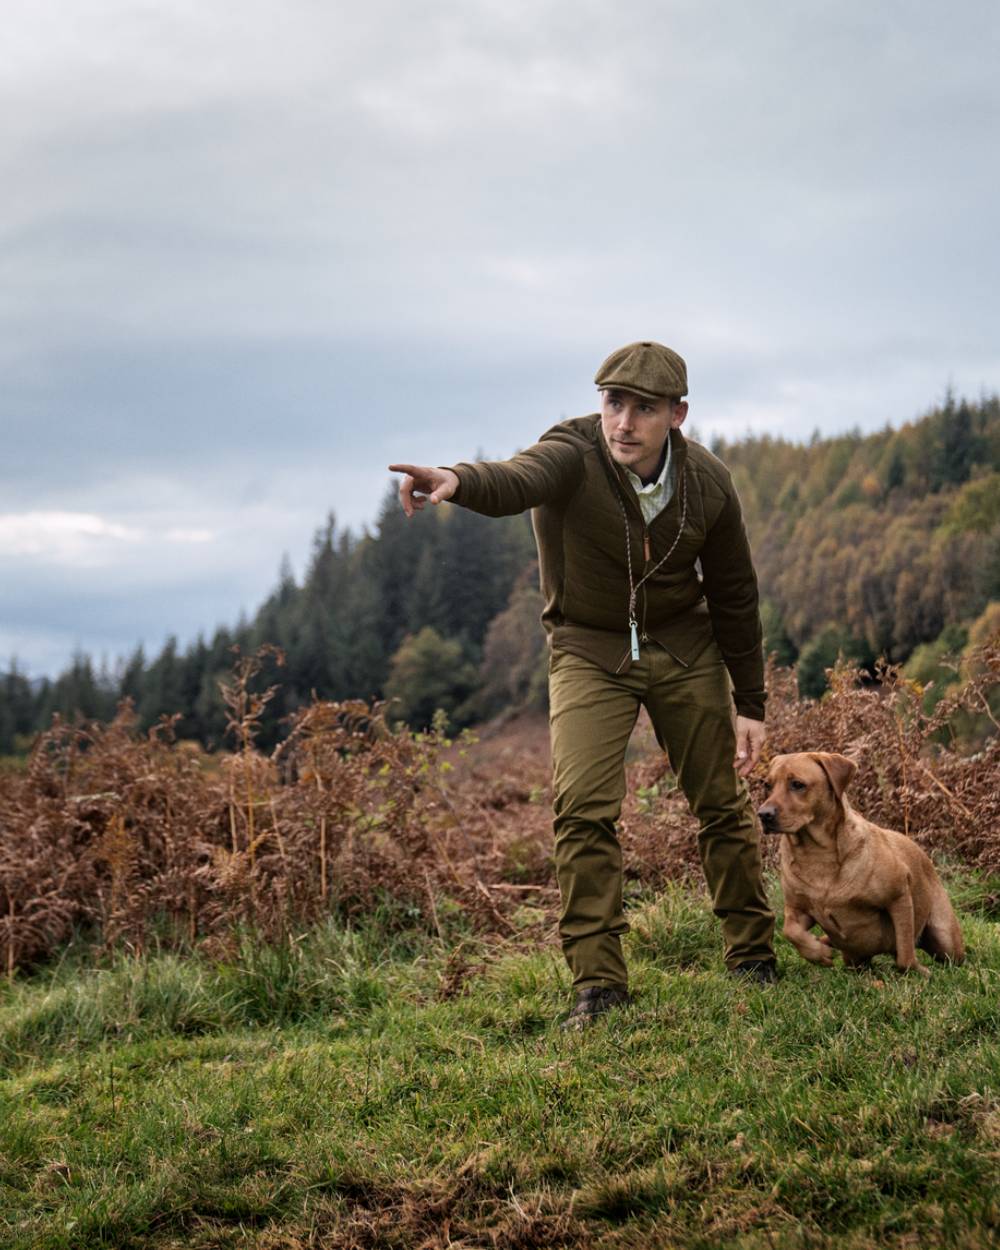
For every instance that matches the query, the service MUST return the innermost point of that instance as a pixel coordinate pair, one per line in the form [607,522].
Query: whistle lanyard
[635,586]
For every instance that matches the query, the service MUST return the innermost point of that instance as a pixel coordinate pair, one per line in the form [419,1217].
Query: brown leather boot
[756,972]
[594,1001]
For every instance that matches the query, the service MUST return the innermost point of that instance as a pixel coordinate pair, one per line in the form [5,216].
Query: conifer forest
[867,546]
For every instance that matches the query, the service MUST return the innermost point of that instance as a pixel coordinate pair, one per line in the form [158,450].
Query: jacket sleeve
[730,585]
[547,472]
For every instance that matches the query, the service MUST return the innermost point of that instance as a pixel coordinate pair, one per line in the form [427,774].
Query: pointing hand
[433,484]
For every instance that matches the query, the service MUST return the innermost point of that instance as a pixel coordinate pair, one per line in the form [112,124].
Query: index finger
[406,486]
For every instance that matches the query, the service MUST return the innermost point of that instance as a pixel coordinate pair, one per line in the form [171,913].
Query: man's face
[635,428]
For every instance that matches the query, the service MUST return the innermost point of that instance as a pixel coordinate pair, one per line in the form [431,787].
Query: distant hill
[880,544]
[875,544]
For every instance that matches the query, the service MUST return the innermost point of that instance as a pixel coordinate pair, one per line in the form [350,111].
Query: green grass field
[356,1090]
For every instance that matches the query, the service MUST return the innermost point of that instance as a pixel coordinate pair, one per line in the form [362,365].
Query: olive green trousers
[592,715]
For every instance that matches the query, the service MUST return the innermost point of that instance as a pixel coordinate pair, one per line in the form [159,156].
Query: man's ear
[838,768]
[680,412]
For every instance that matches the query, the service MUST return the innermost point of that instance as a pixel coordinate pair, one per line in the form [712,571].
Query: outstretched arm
[548,471]
[428,483]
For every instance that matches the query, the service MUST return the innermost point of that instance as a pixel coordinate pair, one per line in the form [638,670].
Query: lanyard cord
[634,587]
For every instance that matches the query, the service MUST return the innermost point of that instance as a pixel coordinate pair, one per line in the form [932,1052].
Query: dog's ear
[838,768]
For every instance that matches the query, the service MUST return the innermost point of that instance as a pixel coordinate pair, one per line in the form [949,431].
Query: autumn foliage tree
[872,545]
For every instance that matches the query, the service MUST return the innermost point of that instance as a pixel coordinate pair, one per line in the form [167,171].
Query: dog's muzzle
[768,817]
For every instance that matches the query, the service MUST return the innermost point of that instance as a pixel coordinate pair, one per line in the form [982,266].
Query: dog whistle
[635,640]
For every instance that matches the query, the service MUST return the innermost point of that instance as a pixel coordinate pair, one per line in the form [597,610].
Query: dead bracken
[141,840]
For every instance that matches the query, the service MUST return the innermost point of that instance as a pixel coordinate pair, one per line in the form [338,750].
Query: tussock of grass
[345,1091]
[327,974]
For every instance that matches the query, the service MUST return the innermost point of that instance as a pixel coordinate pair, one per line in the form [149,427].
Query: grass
[355,1090]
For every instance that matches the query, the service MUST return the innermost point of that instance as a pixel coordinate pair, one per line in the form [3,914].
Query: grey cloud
[245,263]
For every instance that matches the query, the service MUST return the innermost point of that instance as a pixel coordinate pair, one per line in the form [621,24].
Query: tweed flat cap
[646,368]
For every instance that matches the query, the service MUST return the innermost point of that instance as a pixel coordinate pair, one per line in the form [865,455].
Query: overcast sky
[251,252]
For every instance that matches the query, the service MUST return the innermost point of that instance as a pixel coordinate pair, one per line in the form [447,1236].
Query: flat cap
[646,368]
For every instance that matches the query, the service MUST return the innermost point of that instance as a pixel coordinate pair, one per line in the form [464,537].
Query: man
[650,598]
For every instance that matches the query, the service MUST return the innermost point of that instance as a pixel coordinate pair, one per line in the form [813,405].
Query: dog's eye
[796,785]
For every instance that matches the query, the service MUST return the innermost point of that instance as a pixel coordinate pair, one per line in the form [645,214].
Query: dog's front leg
[797,926]
[901,914]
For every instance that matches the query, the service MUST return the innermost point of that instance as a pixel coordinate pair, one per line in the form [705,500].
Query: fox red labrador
[871,890]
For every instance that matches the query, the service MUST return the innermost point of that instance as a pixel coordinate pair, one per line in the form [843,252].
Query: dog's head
[804,789]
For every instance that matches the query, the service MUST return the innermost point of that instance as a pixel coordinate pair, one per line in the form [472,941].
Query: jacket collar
[678,453]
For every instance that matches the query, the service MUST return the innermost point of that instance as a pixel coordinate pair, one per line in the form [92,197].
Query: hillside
[231,1054]
[359,1091]
[309,997]
[875,545]
[879,545]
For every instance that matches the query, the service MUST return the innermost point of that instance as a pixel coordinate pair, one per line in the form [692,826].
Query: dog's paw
[917,969]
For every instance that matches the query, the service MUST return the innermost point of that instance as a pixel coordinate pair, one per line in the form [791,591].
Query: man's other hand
[750,735]
[421,483]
